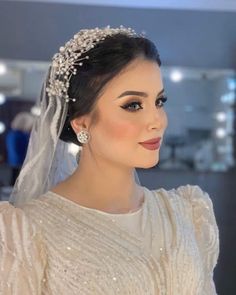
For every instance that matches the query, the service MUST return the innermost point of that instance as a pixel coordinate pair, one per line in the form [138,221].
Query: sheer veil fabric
[39,170]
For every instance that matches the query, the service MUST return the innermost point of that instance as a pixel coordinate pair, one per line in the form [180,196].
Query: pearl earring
[83,136]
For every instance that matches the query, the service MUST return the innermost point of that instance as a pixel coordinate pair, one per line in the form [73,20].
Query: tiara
[64,62]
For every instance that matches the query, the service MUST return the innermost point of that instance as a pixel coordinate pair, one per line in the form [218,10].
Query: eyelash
[163,99]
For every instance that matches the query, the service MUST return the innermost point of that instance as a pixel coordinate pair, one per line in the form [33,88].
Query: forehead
[141,74]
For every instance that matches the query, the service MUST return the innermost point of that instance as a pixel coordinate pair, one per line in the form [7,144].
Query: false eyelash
[163,99]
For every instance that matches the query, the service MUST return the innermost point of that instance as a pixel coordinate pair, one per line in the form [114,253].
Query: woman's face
[127,119]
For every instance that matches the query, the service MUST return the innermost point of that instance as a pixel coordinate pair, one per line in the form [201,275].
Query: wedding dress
[53,246]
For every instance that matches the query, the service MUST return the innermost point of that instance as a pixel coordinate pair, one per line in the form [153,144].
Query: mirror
[200,113]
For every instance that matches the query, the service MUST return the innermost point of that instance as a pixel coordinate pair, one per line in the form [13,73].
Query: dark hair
[106,60]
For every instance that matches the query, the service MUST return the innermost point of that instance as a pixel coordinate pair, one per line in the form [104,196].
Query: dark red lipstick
[152,144]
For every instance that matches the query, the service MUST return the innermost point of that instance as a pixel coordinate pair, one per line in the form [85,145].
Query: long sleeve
[207,233]
[22,255]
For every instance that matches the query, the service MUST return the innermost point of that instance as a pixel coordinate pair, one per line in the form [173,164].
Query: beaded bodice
[173,252]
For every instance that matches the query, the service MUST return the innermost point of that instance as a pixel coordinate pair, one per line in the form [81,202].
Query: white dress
[53,246]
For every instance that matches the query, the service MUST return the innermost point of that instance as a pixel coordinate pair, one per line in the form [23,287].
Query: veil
[41,168]
[48,160]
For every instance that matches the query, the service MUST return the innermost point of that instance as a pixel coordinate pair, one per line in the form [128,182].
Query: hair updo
[106,60]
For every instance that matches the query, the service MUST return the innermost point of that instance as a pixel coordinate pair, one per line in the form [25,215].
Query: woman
[92,228]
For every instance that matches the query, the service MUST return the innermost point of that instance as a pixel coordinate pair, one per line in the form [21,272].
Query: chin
[148,165]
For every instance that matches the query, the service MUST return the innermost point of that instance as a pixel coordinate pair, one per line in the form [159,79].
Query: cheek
[121,130]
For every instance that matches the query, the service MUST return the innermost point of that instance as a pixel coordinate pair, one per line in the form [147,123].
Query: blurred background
[197,44]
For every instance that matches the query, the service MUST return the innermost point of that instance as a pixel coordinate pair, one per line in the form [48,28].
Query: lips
[152,144]
[152,140]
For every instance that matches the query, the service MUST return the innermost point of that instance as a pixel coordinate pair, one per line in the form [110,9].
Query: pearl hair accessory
[83,136]
[64,62]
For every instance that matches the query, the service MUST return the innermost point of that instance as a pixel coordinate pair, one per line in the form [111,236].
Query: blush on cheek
[122,130]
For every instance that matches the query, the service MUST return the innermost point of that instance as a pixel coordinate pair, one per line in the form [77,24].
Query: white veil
[42,168]
[48,160]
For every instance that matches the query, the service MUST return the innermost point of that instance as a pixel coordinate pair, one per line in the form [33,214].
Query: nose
[158,119]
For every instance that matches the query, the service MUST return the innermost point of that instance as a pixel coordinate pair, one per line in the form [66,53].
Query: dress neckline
[76,205]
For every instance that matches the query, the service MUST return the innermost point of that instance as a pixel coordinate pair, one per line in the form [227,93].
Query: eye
[131,106]
[162,100]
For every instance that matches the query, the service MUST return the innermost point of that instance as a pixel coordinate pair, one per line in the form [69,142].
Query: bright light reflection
[73,148]
[2,98]
[3,69]
[176,76]
[220,132]
[35,111]
[221,117]
[2,127]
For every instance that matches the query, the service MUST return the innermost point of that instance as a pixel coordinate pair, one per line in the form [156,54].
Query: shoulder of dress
[202,210]
[205,225]
[192,193]
[190,196]
[15,228]
[7,209]
[14,219]
[20,245]
[197,197]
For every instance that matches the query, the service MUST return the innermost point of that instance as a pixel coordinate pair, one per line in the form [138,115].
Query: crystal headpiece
[64,62]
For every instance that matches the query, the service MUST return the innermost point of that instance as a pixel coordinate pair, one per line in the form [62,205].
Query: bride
[84,224]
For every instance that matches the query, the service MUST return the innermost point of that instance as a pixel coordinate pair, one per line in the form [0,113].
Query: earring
[83,136]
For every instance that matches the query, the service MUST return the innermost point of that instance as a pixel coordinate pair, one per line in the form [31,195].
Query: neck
[104,186]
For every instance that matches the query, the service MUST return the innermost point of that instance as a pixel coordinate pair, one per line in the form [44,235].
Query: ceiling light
[3,69]
[221,116]
[220,132]
[2,98]
[176,76]
[2,127]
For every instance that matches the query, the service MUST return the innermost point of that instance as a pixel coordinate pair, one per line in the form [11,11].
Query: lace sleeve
[207,233]
[22,255]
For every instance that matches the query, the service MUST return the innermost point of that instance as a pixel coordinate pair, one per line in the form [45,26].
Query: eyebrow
[138,93]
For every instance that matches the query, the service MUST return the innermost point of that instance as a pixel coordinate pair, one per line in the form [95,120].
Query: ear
[80,123]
